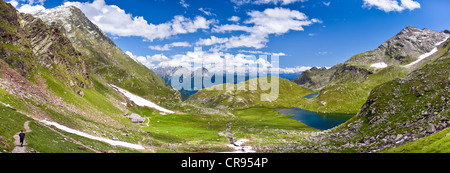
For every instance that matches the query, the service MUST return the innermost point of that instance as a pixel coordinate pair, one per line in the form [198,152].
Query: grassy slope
[188,132]
[41,138]
[290,94]
[348,97]
[404,106]
[200,132]
[265,127]
[117,68]
[99,113]
[436,143]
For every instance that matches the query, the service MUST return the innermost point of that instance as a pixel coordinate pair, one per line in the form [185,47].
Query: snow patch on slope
[79,133]
[425,55]
[379,65]
[141,101]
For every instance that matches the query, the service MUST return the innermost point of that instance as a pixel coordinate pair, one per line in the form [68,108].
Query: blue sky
[305,33]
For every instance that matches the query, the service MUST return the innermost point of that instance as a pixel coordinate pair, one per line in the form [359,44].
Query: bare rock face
[65,18]
[403,48]
[28,43]
[317,78]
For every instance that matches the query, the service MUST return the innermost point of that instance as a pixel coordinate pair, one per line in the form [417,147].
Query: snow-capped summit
[68,18]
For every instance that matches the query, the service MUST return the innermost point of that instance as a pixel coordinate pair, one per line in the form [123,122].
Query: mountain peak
[411,28]
[59,12]
[408,30]
[71,19]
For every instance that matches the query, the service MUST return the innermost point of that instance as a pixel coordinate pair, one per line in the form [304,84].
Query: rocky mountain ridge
[403,48]
[29,44]
[105,58]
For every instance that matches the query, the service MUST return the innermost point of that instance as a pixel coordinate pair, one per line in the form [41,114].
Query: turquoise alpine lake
[321,121]
[311,96]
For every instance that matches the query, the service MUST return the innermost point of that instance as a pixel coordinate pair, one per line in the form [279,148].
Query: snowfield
[379,65]
[141,101]
[425,55]
[79,133]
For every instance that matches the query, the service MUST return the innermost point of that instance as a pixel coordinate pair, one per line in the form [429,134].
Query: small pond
[322,121]
[311,96]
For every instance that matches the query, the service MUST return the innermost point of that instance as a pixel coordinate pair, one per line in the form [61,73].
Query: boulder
[81,93]
[431,128]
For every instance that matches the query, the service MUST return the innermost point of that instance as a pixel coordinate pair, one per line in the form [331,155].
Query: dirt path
[228,133]
[18,148]
[236,145]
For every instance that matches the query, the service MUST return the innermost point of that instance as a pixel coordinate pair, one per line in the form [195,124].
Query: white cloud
[234,19]
[241,61]
[261,2]
[211,41]
[326,3]
[180,44]
[116,21]
[231,27]
[322,53]
[207,12]
[410,4]
[27,8]
[167,47]
[140,59]
[276,21]
[184,4]
[14,3]
[262,53]
[256,41]
[316,20]
[157,57]
[148,60]
[391,5]
[290,70]
[208,60]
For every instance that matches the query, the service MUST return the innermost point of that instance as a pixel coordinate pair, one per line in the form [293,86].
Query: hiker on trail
[22,137]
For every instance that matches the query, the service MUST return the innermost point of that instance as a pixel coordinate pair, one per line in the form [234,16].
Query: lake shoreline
[321,121]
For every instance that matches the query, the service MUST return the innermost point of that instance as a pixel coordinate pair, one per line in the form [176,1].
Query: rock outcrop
[403,48]
[29,44]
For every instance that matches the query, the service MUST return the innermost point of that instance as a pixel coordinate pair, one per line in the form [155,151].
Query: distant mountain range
[167,72]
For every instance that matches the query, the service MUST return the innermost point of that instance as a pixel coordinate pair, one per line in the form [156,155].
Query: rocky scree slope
[28,44]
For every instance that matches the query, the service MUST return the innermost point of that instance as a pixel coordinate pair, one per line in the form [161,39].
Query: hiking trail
[18,148]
